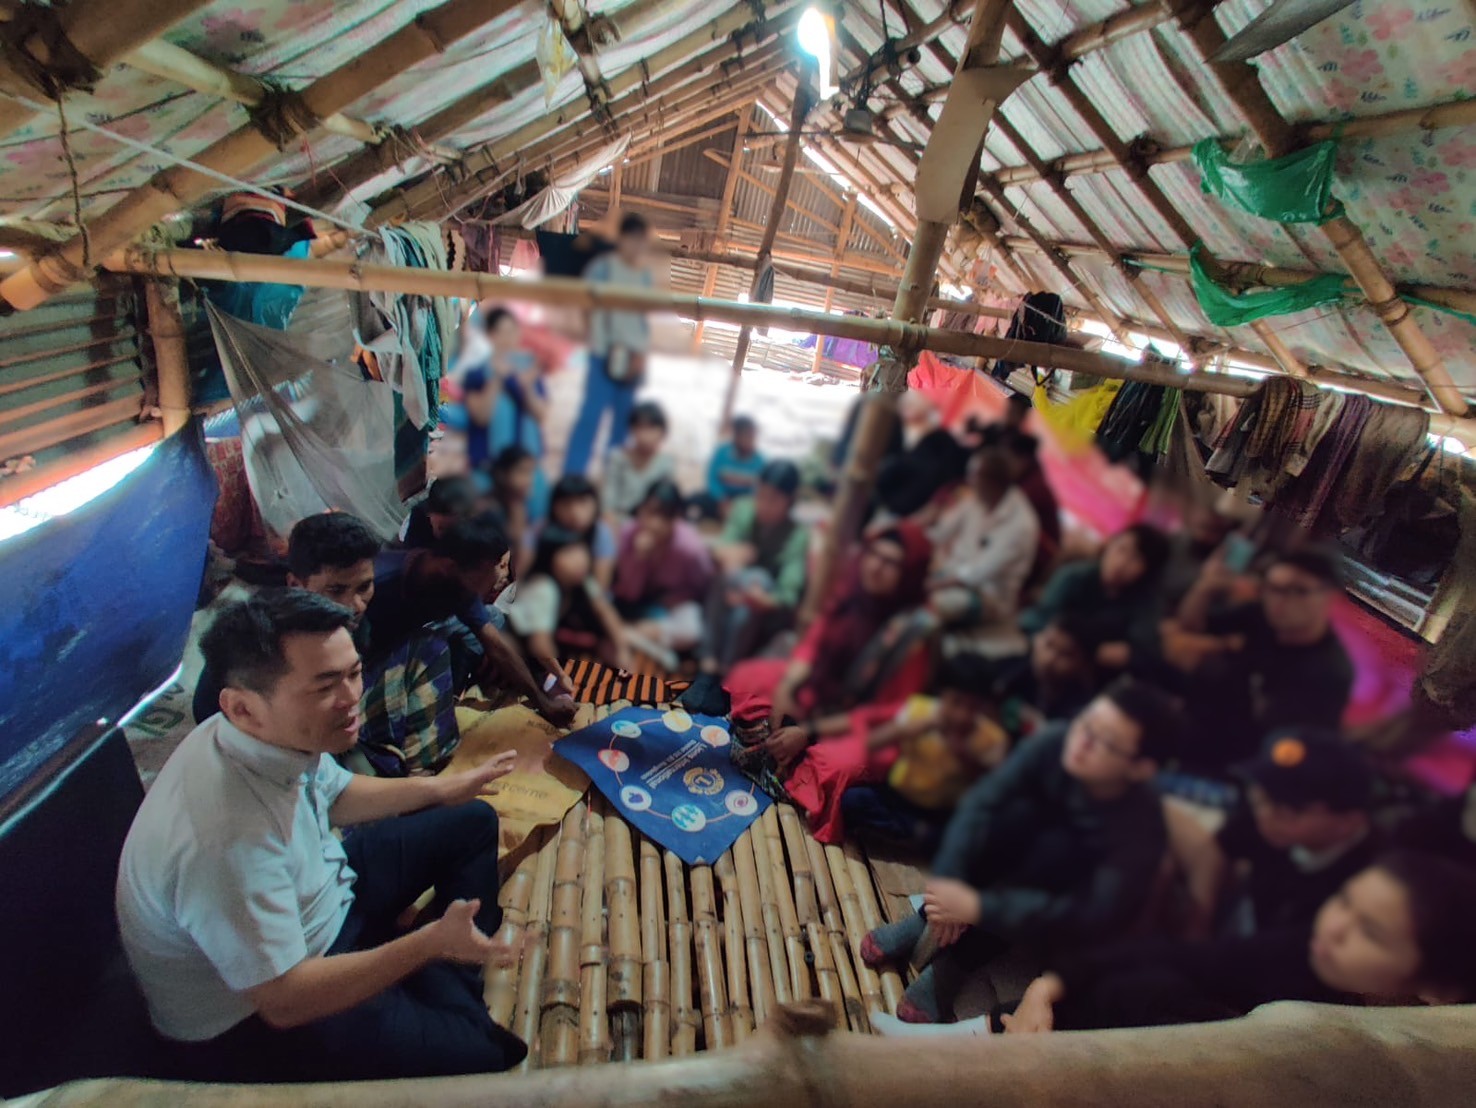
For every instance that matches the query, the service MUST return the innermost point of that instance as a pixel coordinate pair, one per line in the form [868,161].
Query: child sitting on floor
[1054,681]
[1058,847]
[662,573]
[632,470]
[574,505]
[513,472]
[560,608]
[941,746]
[734,470]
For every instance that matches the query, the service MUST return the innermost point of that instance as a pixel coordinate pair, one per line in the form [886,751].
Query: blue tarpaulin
[669,775]
[95,606]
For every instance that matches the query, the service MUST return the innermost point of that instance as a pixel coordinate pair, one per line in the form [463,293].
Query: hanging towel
[1306,498]
[1392,439]
[1330,404]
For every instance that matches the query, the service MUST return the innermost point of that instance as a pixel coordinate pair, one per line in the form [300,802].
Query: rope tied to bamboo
[35,44]
[282,116]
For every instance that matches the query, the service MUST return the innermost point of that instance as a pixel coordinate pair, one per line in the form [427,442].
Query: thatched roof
[473,114]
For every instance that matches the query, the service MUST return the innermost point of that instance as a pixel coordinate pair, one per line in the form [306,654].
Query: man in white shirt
[984,543]
[268,949]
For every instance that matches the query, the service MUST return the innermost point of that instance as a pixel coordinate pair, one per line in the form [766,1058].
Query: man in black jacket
[1058,847]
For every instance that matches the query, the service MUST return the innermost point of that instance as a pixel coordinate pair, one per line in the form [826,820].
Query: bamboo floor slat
[633,954]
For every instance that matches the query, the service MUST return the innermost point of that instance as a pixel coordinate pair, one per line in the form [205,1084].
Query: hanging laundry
[1392,440]
[1129,419]
[1041,317]
[1305,498]
[1075,422]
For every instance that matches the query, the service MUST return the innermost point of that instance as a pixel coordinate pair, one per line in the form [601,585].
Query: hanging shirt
[929,772]
[230,876]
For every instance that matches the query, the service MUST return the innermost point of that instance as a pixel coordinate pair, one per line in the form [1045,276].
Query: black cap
[1309,766]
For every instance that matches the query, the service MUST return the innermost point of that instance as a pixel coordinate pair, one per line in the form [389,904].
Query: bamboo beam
[898,334]
[574,22]
[101,31]
[725,210]
[170,190]
[942,179]
[1416,1057]
[478,164]
[842,240]
[1242,86]
[174,63]
[171,360]
[1451,113]
[800,109]
[738,78]
[1058,71]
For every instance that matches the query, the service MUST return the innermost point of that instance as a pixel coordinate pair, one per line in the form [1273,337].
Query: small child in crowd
[635,467]
[735,468]
[574,505]
[662,574]
[513,473]
[941,744]
[561,607]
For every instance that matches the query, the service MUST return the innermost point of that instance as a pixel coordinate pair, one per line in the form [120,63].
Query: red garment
[853,617]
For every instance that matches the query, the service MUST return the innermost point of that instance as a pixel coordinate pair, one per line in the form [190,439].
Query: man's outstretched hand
[460,788]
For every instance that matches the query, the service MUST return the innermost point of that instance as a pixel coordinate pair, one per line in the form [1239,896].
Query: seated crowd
[1125,769]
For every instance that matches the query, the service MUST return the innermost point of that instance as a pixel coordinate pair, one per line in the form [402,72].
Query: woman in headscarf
[809,715]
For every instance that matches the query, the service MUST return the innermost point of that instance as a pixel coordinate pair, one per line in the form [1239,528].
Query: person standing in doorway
[618,347]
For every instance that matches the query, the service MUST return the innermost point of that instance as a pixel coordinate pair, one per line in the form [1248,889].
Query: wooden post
[171,359]
[798,111]
[725,206]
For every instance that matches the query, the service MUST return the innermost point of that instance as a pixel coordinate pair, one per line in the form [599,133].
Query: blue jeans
[601,394]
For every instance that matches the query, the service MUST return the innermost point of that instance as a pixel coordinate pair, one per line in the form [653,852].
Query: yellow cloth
[1075,423]
[540,790]
[928,772]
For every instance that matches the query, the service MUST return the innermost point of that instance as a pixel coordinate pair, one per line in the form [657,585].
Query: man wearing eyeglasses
[1273,664]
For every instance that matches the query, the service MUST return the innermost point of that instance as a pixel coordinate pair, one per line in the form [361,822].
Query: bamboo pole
[625,940]
[345,274]
[807,907]
[871,919]
[163,59]
[773,922]
[849,903]
[500,982]
[101,31]
[725,204]
[686,1019]
[763,978]
[171,359]
[1242,86]
[657,975]
[558,1037]
[830,934]
[717,1019]
[794,936]
[535,949]
[22,485]
[428,195]
[1449,113]
[1333,1056]
[236,154]
[798,111]
[735,957]
[594,957]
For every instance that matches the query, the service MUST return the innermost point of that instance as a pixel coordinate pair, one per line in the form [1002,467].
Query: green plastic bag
[1293,189]
[1224,308]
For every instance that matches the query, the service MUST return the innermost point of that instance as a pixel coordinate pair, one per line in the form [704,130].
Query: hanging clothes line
[343,274]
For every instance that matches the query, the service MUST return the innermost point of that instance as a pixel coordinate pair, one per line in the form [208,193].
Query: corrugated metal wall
[71,372]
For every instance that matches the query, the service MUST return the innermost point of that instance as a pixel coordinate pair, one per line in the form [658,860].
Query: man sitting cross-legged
[1057,848]
[267,950]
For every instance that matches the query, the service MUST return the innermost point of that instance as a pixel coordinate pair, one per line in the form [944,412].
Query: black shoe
[706,696]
